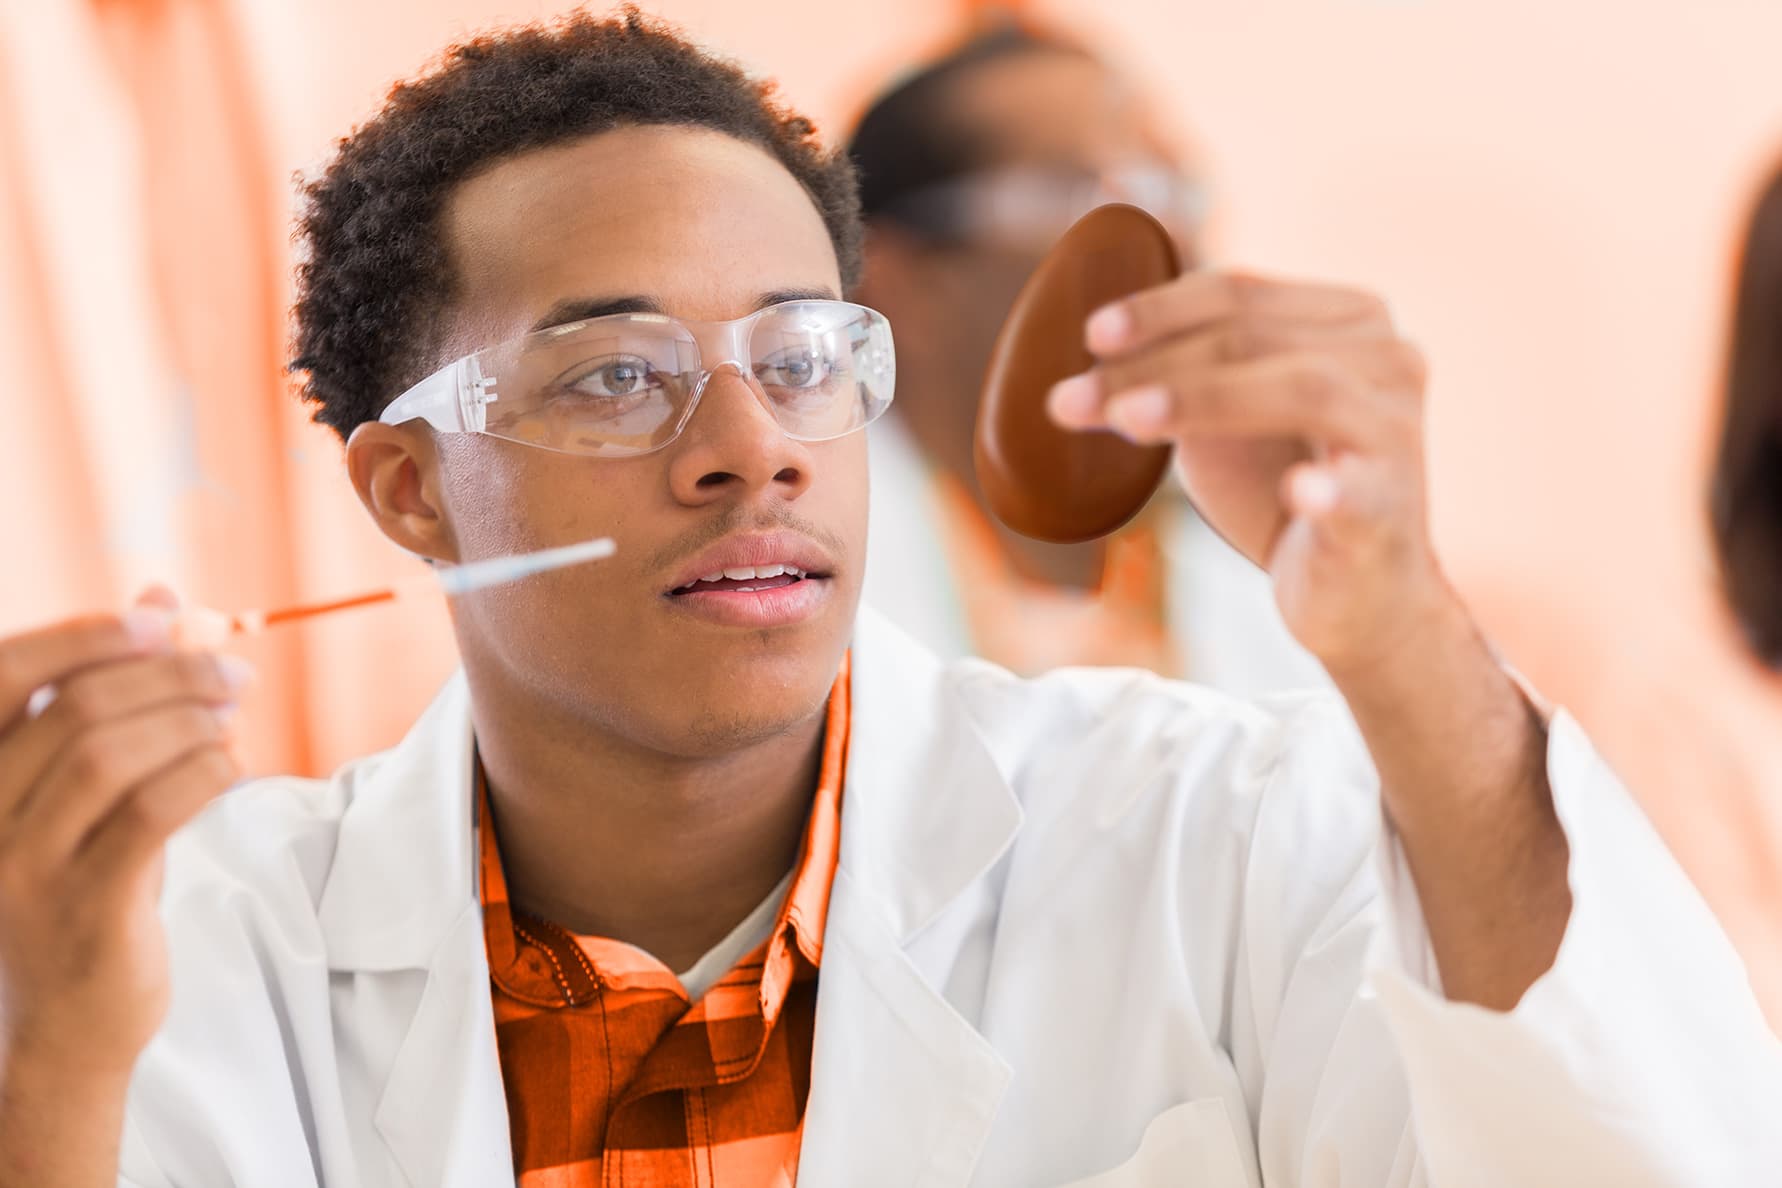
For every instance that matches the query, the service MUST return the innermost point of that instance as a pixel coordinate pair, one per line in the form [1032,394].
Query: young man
[932,925]
[970,169]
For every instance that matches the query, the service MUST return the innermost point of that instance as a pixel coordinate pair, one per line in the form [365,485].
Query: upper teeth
[743,573]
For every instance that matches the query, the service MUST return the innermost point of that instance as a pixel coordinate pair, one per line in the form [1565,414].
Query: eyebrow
[581,309]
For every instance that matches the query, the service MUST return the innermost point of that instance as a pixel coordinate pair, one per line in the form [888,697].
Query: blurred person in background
[971,167]
[1747,493]
[1743,873]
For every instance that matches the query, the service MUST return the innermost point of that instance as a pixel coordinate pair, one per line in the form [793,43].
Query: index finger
[1197,300]
[41,657]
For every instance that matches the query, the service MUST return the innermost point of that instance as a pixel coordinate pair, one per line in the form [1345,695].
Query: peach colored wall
[1548,193]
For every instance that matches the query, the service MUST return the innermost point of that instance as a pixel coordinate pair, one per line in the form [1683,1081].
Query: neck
[667,853]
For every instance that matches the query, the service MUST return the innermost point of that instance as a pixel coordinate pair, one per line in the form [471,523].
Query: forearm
[59,1128]
[1462,762]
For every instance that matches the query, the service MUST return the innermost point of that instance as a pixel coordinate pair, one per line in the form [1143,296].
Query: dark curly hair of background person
[1747,492]
[374,284]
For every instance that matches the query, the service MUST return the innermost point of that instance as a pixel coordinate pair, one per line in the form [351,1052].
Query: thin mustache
[734,522]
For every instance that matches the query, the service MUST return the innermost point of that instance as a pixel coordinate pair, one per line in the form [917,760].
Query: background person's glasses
[1030,206]
[627,384]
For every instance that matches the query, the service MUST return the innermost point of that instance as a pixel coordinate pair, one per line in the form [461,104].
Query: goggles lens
[627,383]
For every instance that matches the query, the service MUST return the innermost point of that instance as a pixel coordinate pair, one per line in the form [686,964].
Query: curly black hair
[375,282]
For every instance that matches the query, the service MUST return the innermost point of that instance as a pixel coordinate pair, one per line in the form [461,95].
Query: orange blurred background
[1549,195]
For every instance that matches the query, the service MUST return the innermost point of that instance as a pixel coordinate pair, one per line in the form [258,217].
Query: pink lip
[775,607]
[780,607]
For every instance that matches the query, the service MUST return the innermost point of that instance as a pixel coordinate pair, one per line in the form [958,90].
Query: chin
[705,693]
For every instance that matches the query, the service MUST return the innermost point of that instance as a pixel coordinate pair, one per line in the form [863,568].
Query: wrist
[1448,727]
[44,1055]
[1421,644]
[59,1125]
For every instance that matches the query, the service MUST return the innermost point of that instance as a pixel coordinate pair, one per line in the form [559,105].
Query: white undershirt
[754,929]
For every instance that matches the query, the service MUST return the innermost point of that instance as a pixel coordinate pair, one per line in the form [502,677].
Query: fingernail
[1109,328]
[1142,410]
[1073,401]
[148,628]
[237,673]
[1315,491]
[227,716]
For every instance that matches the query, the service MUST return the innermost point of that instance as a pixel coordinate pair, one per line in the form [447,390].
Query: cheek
[505,498]
[838,497]
[508,498]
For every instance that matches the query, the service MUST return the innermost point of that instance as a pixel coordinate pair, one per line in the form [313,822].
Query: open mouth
[746,579]
[765,580]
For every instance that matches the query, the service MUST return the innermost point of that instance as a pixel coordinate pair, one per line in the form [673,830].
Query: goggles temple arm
[451,400]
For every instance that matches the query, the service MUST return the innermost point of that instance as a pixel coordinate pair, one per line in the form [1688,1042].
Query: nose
[733,448]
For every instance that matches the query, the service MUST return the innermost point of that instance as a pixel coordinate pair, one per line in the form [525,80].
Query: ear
[395,470]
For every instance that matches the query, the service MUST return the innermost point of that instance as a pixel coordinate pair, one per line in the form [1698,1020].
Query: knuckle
[1413,367]
[197,672]
[1218,398]
[1316,384]
[1374,307]
[141,813]
[157,809]
[1242,289]
[95,763]
[167,803]
[1406,424]
[198,724]
[1241,341]
[81,704]
[1145,309]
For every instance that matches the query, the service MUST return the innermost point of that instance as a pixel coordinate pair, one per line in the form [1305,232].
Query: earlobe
[394,469]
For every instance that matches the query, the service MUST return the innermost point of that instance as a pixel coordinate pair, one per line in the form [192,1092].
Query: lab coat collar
[925,812]
[898,1076]
[901,1082]
[404,861]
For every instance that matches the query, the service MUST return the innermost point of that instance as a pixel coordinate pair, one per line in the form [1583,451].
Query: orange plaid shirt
[614,1078]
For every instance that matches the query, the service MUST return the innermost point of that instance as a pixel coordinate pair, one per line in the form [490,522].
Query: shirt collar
[802,918]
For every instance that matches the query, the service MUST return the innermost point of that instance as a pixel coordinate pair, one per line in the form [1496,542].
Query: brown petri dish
[1044,481]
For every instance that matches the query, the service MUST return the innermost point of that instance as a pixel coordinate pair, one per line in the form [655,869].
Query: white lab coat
[1095,928]
[1219,606]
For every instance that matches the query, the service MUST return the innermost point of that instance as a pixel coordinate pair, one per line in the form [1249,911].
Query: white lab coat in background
[1221,608]
[1094,928]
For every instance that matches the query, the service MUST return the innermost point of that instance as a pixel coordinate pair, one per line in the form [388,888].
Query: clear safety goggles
[627,384]
[1023,205]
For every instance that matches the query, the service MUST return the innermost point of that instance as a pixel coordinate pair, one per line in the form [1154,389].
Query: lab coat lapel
[903,1088]
[444,1111]
[401,898]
